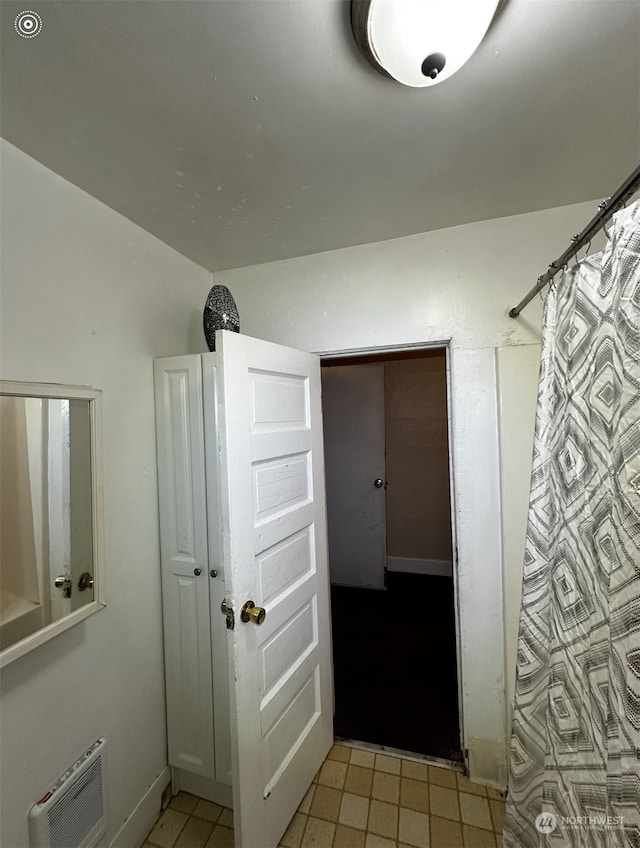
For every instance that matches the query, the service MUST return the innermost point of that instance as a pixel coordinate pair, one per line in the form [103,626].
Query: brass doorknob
[85,581]
[250,612]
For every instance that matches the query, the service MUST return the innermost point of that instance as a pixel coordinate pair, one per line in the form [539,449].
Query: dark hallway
[395,665]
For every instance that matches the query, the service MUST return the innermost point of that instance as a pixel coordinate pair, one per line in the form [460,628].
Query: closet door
[354,439]
[274,545]
[185,574]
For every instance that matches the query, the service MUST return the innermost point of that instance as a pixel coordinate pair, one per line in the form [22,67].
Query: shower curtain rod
[606,210]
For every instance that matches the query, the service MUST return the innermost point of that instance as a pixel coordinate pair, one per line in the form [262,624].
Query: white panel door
[216,567]
[185,578]
[354,440]
[274,546]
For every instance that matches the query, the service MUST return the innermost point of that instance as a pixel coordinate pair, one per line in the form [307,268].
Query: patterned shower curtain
[575,747]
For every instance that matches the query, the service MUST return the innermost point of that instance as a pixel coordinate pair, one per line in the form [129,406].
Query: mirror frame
[94,396]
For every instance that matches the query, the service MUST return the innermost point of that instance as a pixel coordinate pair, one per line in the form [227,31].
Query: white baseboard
[412,565]
[210,790]
[137,826]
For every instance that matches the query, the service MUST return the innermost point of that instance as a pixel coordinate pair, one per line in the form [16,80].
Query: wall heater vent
[72,813]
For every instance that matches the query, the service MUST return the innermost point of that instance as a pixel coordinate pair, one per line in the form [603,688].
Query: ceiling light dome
[420,42]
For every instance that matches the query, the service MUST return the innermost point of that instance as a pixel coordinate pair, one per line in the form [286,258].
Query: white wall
[518,369]
[89,298]
[456,284]
[417,460]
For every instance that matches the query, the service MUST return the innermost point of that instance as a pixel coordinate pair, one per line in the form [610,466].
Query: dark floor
[395,665]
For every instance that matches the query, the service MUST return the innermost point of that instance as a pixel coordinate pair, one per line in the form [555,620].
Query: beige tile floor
[359,799]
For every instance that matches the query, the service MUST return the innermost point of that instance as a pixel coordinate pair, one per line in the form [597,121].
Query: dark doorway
[394,648]
[395,665]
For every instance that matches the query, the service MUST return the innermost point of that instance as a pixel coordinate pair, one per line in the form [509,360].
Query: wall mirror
[50,512]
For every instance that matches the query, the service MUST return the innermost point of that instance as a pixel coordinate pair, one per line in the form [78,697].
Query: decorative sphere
[220,313]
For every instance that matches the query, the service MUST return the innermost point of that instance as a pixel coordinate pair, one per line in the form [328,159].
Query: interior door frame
[445,345]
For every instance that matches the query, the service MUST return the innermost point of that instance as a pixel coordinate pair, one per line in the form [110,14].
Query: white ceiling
[245,131]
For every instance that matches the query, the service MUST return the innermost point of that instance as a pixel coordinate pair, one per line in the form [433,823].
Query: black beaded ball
[220,313]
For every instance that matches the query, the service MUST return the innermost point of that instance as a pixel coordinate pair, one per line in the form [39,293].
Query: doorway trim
[445,344]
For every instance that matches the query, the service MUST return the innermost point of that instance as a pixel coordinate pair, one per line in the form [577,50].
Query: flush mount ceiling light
[420,42]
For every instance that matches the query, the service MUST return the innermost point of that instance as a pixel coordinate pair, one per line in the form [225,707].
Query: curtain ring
[563,273]
[575,239]
[552,283]
[601,208]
